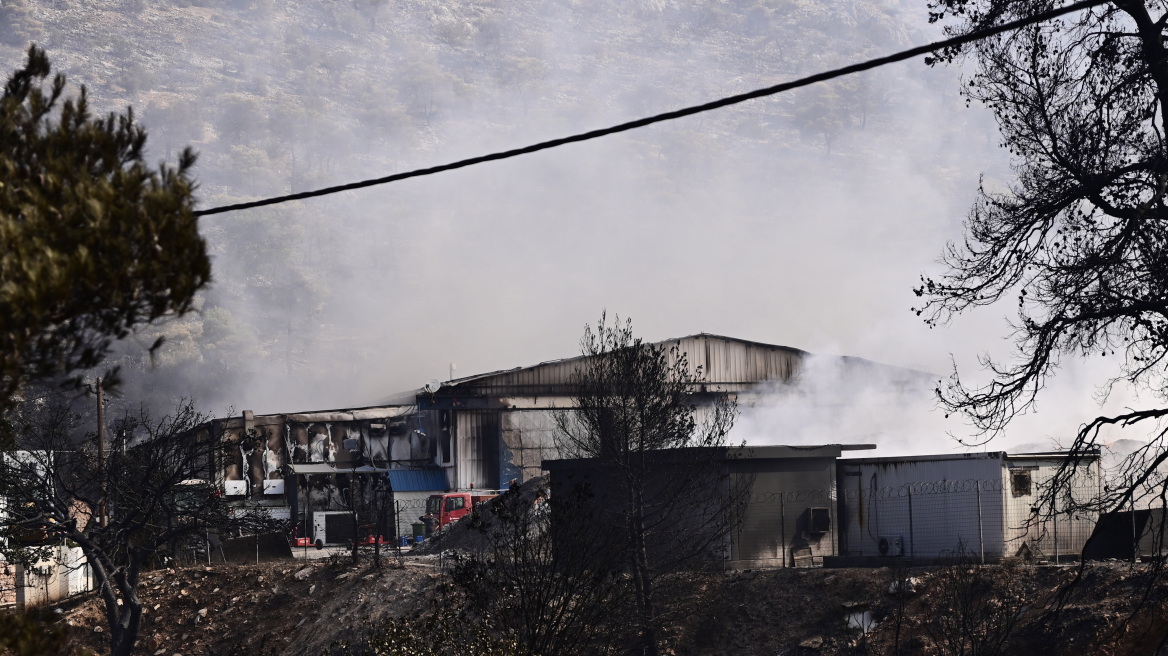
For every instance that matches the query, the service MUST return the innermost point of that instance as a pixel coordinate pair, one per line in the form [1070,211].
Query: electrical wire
[668,116]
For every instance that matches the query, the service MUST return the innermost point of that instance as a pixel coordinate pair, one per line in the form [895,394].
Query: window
[819,520]
[1020,483]
[455,503]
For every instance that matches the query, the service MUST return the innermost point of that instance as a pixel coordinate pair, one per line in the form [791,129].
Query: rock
[303,573]
[907,587]
[99,629]
[312,588]
[814,643]
[202,612]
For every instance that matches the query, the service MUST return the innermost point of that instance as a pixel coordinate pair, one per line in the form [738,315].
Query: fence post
[912,540]
[1054,522]
[783,526]
[1135,538]
[980,530]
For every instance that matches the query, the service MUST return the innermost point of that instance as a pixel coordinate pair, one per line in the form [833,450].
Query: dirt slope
[298,608]
[291,608]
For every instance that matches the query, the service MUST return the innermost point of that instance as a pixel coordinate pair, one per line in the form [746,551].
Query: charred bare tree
[551,587]
[370,499]
[635,413]
[1080,238]
[978,610]
[157,487]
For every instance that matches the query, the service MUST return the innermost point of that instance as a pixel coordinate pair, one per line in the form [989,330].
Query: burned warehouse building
[476,432]
[325,471]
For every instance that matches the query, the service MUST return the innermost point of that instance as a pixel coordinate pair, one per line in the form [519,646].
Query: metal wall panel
[477,453]
[936,507]
[775,529]
[1055,537]
[528,438]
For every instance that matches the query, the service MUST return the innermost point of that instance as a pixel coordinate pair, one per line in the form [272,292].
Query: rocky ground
[292,607]
[299,607]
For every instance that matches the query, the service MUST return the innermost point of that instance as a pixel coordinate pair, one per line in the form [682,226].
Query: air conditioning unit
[273,487]
[234,488]
[890,545]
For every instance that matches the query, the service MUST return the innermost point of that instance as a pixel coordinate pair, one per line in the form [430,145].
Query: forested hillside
[342,300]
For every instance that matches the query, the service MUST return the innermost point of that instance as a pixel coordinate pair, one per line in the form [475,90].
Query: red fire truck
[445,509]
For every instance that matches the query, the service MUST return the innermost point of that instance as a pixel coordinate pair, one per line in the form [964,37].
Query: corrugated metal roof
[417,480]
[727,364]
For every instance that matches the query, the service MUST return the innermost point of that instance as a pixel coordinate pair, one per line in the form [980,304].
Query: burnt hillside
[300,608]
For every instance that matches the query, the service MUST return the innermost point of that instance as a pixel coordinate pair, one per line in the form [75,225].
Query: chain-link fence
[984,520]
[785,529]
[400,525]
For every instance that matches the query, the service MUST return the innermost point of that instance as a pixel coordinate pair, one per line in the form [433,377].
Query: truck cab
[445,509]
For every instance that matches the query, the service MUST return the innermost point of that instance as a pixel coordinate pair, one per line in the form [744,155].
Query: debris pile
[472,533]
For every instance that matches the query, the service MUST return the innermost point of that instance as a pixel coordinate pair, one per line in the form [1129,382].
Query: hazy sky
[744,222]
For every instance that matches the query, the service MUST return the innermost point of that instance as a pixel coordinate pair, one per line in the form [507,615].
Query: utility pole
[101,510]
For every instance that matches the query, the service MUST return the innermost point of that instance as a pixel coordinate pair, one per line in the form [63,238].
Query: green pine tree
[92,240]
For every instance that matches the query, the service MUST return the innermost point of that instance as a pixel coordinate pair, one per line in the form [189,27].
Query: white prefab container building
[979,506]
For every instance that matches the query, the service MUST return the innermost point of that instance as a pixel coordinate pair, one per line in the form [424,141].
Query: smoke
[802,220]
[836,400]
[842,400]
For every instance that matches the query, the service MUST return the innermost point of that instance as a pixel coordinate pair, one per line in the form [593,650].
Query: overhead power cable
[672,115]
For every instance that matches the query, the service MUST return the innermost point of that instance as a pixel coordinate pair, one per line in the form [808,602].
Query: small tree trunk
[377,529]
[644,585]
[124,631]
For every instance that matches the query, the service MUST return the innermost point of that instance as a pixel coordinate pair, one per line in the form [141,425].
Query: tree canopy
[93,241]
[1079,240]
[633,402]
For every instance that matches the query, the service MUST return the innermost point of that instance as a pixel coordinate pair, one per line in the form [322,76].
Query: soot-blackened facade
[477,432]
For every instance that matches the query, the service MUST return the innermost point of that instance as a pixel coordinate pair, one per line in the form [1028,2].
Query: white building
[975,505]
